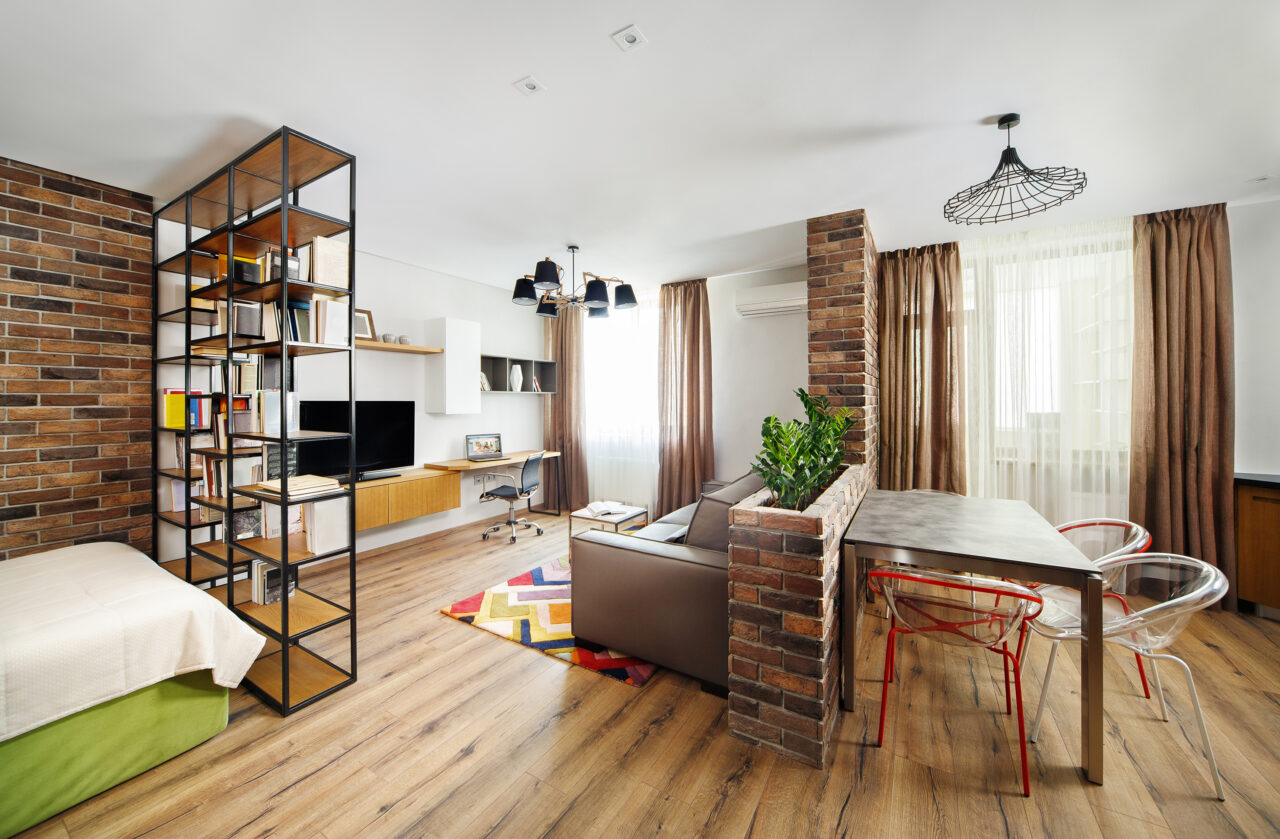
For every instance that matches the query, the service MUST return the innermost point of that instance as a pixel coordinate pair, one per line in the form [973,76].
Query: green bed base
[58,765]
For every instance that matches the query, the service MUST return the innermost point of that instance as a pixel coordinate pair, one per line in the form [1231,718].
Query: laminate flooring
[453,732]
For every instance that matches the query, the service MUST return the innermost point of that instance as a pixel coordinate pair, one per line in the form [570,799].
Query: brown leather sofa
[662,593]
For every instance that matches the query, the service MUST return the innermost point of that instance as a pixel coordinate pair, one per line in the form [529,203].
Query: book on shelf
[178,494]
[329,262]
[201,304]
[330,320]
[246,269]
[271,460]
[300,485]
[294,263]
[300,320]
[265,580]
[271,519]
[326,524]
[246,524]
[537,386]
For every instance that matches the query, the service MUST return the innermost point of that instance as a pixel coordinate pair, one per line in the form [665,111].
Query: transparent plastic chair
[1148,600]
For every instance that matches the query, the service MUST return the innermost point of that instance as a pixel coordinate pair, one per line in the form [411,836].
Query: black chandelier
[543,289]
[1014,190]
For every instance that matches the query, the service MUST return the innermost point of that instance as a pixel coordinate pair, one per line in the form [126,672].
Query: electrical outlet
[477,479]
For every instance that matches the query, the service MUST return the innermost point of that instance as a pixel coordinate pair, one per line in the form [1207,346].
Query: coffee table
[614,521]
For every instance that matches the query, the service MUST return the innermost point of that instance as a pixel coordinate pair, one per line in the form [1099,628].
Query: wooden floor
[451,731]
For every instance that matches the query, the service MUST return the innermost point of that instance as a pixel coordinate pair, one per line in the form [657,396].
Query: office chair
[512,494]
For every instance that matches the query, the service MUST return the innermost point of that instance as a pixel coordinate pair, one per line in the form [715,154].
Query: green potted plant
[800,459]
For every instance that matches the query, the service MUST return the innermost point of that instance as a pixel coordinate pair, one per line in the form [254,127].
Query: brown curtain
[562,413]
[921,325]
[1183,447]
[685,454]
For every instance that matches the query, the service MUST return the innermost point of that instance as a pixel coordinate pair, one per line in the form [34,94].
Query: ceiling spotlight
[629,38]
[529,86]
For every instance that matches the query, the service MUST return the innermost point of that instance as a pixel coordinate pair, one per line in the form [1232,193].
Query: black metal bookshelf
[250,208]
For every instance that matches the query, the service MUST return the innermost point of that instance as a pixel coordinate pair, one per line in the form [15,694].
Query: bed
[109,665]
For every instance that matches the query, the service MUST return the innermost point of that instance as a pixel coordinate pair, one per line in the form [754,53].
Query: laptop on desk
[481,447]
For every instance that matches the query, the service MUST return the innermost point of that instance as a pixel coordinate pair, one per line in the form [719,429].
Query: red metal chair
[960,610]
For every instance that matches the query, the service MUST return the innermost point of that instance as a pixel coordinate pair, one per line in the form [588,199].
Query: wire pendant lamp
[543,289]
[1014,190]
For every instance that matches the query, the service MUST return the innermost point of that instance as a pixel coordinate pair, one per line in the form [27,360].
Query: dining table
[988,536]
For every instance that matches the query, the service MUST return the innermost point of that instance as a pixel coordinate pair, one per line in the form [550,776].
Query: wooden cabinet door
[371,507]
[1258,544]
[411,499]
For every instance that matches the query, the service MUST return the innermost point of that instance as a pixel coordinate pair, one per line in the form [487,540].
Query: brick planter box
[784,618]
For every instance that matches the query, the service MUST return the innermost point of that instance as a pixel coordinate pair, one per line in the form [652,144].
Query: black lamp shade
[601,312]
[524,294]
[624,297]
[546,276]
[548,309]
[597,296]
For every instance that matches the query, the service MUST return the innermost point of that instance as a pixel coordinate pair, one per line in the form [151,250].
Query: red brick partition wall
[75,281]
[784,566]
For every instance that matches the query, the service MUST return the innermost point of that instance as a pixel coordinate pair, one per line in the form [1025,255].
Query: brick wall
[784,566]
[75,283]
[844,360]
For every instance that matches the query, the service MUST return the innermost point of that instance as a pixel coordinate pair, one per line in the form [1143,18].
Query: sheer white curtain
[1048,349]
[621,381]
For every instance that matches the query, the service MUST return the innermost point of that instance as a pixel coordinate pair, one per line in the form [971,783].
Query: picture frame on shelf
[364,325]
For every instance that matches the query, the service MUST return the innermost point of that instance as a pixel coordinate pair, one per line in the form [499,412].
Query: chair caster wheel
[539,531]
[484,535]
[513,540]
[527,526]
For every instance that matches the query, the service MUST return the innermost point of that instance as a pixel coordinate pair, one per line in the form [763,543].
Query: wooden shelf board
[239,340]
[294,436]
[308,675]
[295,348]
[199,429]
[179,518]
[202,265]
[254,237]
[196,360]
[271,547]
[275,289]
[179,475]
[379,346]
[202,569]
[306,612]
[218,502]
[258,492]
[199,317]
[308,160]
[239,451]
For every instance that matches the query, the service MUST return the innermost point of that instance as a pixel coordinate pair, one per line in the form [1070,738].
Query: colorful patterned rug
[533,609]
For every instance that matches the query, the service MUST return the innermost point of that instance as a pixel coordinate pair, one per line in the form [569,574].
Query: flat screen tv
[384,437]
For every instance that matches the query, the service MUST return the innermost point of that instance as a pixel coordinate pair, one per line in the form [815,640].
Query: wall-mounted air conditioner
[780,299]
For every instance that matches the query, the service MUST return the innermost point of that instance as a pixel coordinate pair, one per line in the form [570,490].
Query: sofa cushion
[709,527]
[681,516]
[661,531]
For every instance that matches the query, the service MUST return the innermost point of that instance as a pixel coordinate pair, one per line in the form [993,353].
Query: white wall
[756,365]
[402,297]
[1255,275]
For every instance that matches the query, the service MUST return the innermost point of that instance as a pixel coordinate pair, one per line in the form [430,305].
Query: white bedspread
[89,623]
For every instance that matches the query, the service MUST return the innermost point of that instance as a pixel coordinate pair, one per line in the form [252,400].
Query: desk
[985,536]
[512,459]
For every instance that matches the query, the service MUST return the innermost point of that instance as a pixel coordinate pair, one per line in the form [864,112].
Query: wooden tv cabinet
[412,493]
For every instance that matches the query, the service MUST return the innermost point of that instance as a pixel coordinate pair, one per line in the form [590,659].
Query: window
[1048,346]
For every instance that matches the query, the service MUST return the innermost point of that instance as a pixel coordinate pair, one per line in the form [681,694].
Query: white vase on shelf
[517,378]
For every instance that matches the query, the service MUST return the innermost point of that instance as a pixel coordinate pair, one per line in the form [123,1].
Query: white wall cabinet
[453,377]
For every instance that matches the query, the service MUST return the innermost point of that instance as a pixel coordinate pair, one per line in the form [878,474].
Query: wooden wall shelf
[379,346]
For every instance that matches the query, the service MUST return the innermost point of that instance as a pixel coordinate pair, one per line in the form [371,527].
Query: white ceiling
[698,154]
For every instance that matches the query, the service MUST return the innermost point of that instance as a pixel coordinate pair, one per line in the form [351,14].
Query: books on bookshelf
[265,578]
[329,262]
[325,525]
[300,485]
[179,408]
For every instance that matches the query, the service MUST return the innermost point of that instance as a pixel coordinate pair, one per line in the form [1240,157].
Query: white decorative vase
[517,377]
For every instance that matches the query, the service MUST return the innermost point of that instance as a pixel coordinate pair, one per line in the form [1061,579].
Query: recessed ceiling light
[629,38]
[529,86]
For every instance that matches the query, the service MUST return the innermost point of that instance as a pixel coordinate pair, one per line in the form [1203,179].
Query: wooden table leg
[1091,687]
